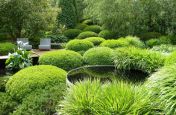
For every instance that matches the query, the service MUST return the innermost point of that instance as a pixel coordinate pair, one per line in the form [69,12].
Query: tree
[22,18]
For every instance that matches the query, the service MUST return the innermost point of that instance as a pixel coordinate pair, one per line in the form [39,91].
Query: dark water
[105,73]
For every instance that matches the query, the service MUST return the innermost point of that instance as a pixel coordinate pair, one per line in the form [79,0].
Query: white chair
[45,44]
[26,42]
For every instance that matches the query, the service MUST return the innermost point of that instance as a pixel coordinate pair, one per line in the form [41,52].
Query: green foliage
[94,98]
[72,33]
[149,35]
[64,59]
[32,78]
[42,101]
[3,81]
[30,19]
[59,38]
[68,15]
[96,40]
[87,34]
[98,56]
[131,58]
[133,41]
[164,48]
[18,60]
[88,22]
[6,48]
[114,43]
[173,39]
[106,34]
[159,41]
[93,28]
[4,37]
[133,17]
[79,45]
[7,105]
[81,26]
[171,59]
[161,86]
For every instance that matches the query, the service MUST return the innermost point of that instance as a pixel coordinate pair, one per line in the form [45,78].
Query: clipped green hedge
[6,47]
[114,43]
[79,45]
[98,56]
[93,28]
[7,104]
[117,98]
[32,78]
[96,40]
[42,101]
[64,59]
[81,26]
[72,33]
[161,86]
[131,58]
[87,34]
[106,34]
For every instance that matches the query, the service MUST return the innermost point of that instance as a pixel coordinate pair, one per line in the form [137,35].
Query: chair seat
[44,47]
[28,47]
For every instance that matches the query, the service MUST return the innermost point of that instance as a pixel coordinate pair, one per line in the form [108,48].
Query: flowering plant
[19,59]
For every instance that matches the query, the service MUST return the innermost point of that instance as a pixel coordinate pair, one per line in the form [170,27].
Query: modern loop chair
[25,43]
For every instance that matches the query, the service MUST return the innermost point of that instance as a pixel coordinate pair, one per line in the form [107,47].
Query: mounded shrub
[72,33]
[79,45]
[6,47]
[32,78]
[159,41]
[98,56]
[7,105]
[171,59]
[96,40]
[106,34]
[64,59]
[161,86]
[87,34]
[114,43]
[81,26]
[131,58]
[133,41]
[42,101]
[93,28]
[95,98]
[149,35]
[88,22]
[164,48]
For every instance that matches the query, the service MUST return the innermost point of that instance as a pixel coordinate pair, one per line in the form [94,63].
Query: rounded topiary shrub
[131,58]
[133,41]
[32,78]
[81,26]
[72,33]
[149,35]
[161,86]
[79,45]
[6,47]
[114,43]
[106,34]
[93,28]
[87,21]
[96,40]
[87,34]
[64,59]
[98,56]
[171,59]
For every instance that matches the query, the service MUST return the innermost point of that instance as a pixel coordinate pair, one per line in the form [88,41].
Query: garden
[87,57]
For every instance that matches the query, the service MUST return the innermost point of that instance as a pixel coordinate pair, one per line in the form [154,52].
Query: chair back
[24,40]
[45,41]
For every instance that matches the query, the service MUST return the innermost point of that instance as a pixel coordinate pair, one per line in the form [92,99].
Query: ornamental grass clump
[79,45]
[171,59]
[131,58]
[162,86]
[98,56]
[6,48]
[93,97]
[65,59]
